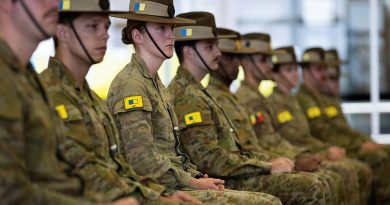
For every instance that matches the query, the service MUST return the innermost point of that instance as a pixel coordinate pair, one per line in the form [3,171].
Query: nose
[217,52]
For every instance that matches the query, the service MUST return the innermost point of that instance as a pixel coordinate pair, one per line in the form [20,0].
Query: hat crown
[161,8]
[202,18]
[332,55]
[84,5]
[284,55]
[259,42]
[313,55]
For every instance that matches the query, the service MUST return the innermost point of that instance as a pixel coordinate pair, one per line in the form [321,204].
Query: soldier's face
[334,86]
[45,13]
[290,71]
[210,53]
[93,32]
[229,63]
[164,35]
[264,63]
[319,74]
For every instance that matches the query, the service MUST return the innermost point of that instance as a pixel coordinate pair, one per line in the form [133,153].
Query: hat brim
[90,12]
[150,18]
[287,63]
[309,62]
[194,38]
[241,51]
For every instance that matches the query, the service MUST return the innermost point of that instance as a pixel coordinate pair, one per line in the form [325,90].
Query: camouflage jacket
[91,144]
[291,122]
[143,111]
[30,170]
[336,116]
[262,119]
[320,125]
[207,134]
[236,113]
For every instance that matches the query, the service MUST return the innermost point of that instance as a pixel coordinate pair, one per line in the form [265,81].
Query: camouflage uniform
[91,143]
[148,127]
[296,130]
[241,121]
[320,127]
[211,142]
[30,170]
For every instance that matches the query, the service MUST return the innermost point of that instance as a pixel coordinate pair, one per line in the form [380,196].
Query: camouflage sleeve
[16,186]
[77,149]
[321,127]
[200,141]
[136,132]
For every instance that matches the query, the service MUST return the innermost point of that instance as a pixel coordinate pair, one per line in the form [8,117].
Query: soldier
[144,114]
[31,170]
[291,123]
[255,72]
[208,135]
[333,106]
[91,143]
[309,98]
[218,87]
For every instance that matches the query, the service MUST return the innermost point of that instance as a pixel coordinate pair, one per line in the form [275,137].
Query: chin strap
[33,19]
[258,70]
[81,43]
[156,45]
[201,58]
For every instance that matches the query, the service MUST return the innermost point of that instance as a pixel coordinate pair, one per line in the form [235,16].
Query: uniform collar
[9,57]
[63,72]
[218,83]
[141,65]
[185,78]
[248,86]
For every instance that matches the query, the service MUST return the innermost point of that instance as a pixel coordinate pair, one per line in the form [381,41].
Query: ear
[188,53]
[137,37]
[62,33]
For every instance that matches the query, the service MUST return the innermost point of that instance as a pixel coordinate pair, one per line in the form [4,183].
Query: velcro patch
[61,111]
[313,112]
[257,118]
[133,102]
[284,117]
[193,118]
[331,111]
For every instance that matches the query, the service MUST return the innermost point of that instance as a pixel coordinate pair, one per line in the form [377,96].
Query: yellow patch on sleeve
[331,111]
[284,117]
[193,118]
[61,111]
[133,102]
[313,112]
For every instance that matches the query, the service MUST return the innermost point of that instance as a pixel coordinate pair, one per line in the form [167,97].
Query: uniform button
[114,147]
[176,128]
[231,130]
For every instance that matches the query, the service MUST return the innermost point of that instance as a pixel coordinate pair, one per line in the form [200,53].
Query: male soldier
[91,143]
[208,135]
[292,125]
[309,98]
[333,106]
[257,70]
[31,171]
[144,113]
[218,87]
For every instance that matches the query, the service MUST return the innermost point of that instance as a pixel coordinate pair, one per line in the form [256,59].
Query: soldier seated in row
[91,143]
[31,169]
[207,134]
[143,109]
[315,75]
[290,122]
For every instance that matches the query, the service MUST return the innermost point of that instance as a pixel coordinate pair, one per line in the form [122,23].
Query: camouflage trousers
[356,175]
[336,187]
[228,197]
[294,188]
[379,162]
